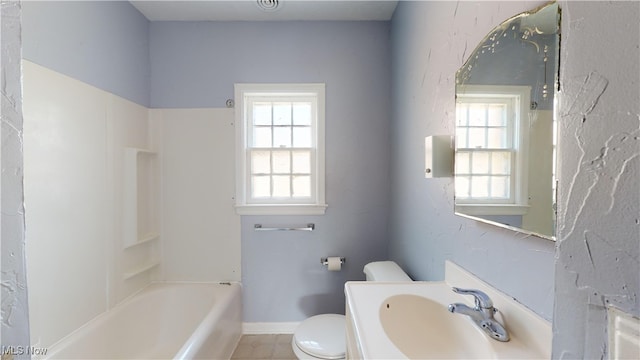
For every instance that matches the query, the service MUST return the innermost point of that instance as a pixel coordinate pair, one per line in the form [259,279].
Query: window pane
[282,136]
[501,163]
[500,187]
[476,138]
[462,187]
[480,186]
[282,114]
[301,186]
[301,162]
[262,137]
[497,115]
[261,113]
[486,173]
[260,162]
[480,162]
[281,162]
[462,141]
[462,163]
[260,186]
[461,114]
[281,186]
[302,136]
[477,115]
[302,114]
[497,138]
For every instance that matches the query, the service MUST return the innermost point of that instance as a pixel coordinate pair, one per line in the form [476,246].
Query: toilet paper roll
[334,263]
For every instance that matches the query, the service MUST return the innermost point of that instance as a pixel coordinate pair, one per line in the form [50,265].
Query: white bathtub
[163,321]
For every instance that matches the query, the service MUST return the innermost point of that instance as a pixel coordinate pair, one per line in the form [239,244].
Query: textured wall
[430,41]
[598,259]
[15,314]
[110,51]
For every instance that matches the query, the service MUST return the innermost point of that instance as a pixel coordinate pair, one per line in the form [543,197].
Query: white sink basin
[422,328]
[410,320]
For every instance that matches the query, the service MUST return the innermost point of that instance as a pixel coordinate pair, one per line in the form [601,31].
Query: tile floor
[264,347]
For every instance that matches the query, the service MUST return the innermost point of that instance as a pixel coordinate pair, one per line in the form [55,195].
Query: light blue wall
[430,41]
[102,43]
[196,65]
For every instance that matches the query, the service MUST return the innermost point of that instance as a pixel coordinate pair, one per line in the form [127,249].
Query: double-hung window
[280,149]
[491,149]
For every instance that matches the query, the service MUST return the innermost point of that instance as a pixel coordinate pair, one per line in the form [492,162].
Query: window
[491,149]
[280,149]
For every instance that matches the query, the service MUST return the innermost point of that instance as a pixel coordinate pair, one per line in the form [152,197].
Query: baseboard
[269,328]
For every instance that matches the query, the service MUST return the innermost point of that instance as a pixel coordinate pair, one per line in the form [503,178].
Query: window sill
[260,209]
[493,209]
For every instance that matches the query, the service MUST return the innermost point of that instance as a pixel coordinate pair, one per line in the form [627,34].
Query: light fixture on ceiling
[268,5]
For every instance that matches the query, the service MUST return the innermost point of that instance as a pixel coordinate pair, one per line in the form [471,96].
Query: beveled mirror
[505,127]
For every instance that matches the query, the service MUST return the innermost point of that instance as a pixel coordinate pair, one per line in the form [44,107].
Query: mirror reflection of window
[491,147]
[485,150]
[505,129]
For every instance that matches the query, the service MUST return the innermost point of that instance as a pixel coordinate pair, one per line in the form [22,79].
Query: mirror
[505,127]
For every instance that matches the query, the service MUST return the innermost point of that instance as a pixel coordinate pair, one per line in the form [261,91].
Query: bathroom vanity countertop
[530,334]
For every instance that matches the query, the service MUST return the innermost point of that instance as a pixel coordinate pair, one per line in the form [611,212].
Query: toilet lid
[322,336]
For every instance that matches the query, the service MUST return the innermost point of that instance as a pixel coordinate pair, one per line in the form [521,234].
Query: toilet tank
[385,271]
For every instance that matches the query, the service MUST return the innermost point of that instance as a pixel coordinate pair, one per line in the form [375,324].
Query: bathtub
[163,321]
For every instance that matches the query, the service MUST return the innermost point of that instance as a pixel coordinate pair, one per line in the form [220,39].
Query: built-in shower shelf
[142,269]
[140,195]
[140,223]
[143,240]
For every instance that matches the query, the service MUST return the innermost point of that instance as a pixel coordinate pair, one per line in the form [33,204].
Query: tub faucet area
[481,314]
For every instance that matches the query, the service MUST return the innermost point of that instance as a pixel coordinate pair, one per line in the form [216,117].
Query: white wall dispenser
[438,156]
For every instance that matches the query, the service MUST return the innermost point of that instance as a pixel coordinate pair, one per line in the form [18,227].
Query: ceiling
[250,10]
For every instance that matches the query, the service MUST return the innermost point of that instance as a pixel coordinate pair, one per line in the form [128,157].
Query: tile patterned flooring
[264,347]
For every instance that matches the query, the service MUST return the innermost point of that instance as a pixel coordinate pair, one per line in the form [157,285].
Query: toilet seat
[322,336]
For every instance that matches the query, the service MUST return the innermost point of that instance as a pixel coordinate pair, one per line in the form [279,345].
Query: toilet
[323,336]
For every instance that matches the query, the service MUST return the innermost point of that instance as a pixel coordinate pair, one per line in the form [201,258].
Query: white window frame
[521,95]
[244,93]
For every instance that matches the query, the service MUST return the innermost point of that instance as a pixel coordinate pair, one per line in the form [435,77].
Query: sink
[422,328]
[410,320]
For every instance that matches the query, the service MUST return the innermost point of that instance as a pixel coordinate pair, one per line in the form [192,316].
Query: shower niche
[141,233]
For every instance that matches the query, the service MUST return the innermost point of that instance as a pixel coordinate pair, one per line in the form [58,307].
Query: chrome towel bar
[309,227]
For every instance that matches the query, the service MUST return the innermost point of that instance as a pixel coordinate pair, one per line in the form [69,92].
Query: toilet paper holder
[325,261]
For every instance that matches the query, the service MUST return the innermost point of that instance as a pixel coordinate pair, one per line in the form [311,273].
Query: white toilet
[323,336]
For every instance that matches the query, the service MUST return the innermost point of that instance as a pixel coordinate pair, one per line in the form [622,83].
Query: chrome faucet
[481,314]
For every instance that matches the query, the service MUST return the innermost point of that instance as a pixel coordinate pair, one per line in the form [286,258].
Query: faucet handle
[482,300]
